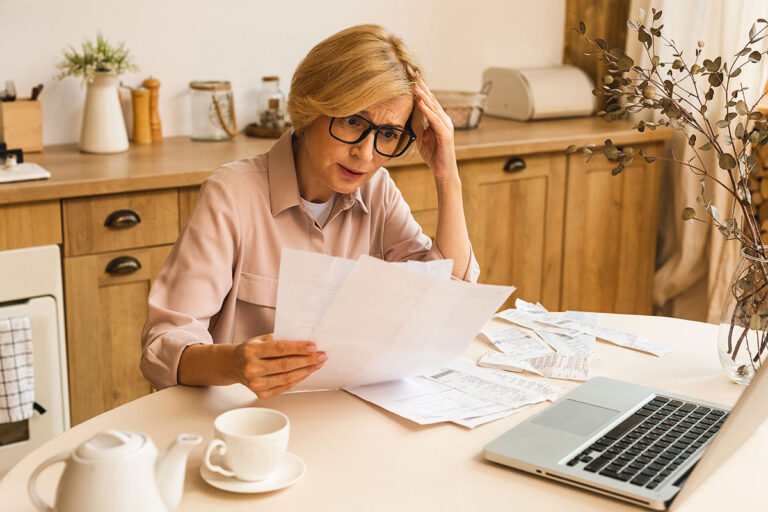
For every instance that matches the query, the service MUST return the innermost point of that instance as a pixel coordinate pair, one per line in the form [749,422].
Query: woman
[353,100]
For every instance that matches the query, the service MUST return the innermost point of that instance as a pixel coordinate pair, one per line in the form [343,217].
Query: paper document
[425,401]
[553,365]
[460,392]
[381,322]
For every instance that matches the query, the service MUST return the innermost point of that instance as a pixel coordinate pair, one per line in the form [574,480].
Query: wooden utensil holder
[21,125]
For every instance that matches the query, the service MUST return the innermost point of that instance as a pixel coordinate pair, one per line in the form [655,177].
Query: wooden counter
[180,162]
[562,231]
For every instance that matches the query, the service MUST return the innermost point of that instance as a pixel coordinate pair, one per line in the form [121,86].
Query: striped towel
[17,384]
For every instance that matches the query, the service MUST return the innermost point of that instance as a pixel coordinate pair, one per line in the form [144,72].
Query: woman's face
[325,165]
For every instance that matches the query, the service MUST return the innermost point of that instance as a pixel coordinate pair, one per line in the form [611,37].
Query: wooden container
[21,125]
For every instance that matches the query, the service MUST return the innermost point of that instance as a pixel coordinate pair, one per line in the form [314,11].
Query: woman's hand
[268,367]
[435,143]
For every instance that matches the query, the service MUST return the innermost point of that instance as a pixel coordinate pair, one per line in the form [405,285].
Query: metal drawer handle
[123,265]
[514,164]
[122,219]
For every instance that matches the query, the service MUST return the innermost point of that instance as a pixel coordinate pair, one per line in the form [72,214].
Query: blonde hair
[349,72]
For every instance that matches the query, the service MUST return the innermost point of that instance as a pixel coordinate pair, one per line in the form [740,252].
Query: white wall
[240,40]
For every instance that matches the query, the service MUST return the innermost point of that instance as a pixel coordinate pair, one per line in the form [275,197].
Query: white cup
[252,442]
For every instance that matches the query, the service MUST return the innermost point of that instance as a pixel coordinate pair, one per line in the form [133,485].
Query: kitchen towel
[17,384]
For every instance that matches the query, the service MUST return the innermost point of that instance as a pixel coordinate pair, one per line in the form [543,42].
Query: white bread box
[539,93]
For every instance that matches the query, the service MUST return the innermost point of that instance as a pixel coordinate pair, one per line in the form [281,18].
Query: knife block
[21,125]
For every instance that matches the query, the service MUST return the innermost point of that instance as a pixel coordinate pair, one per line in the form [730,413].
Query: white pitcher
[103,128]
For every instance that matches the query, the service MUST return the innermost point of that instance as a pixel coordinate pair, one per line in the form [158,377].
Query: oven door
[20,438]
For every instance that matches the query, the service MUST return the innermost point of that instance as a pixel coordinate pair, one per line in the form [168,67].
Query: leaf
[655,60]
[582,28]
[730,116]
[755,116]
[601,43]
[611,152]
[713,212]
[688,213]
[649,159]
[715,79]
[692,140]
[571,149]
[754,322]
[724,231]
[722,123]
[741,107]
[617,170]
[753,31]
[657,15]
[631,25]
[735,73]
[727,161]
[755,56]
[739,131]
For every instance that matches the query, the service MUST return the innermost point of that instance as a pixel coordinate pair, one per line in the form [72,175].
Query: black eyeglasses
[387,141]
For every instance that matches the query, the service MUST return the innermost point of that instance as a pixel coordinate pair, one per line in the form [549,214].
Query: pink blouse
[219,284]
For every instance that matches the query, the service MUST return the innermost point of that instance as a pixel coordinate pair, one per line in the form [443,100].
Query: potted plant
[99,65]
[680,93]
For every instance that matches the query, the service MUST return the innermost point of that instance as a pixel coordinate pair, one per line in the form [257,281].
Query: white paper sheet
[621,338]
[565,341]
[554,365]
[480,420]
[386,323]
[308,282]
[425,401]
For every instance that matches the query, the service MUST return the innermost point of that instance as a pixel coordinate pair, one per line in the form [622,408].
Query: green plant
[101,56]
[680,95]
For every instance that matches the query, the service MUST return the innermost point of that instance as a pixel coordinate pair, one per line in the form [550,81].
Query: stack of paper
[555,345]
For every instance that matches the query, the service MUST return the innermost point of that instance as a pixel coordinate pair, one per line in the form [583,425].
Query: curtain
[694,262]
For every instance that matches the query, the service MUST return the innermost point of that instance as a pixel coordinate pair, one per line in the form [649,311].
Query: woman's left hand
[435,143]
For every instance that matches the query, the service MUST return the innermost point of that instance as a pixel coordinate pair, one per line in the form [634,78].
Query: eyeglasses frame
[376,128]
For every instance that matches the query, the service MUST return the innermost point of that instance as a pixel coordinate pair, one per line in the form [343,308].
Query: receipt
[556,366]
[621,338]
[517,342]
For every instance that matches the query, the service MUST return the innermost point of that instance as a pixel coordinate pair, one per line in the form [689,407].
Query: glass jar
[743,336]
[271,105]
[213,110]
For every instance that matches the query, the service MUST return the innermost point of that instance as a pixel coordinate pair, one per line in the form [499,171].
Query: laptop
[631,442]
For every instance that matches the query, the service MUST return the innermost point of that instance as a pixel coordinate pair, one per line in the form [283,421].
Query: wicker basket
[464,108]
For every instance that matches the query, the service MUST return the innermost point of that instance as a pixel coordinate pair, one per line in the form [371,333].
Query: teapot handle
[32,485]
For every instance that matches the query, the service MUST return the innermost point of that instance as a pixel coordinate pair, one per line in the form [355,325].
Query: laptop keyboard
[647,446]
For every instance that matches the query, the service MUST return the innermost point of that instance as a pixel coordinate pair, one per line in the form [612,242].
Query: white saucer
[288,472]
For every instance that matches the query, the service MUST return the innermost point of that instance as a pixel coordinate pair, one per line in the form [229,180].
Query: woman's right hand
[269,367]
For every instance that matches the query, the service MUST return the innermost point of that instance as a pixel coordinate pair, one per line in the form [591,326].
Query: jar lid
[110,444]
[210,85]
[270,78]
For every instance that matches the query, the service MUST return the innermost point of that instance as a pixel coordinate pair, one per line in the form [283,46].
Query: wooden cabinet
[114,247]
[417,184]
[514,210]
[610,235]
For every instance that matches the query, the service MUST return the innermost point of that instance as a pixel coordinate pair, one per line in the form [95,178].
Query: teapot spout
[171,467]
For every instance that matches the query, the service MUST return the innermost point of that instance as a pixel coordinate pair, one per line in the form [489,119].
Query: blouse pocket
[257,289]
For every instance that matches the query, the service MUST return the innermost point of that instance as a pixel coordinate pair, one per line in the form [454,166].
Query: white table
[360,457]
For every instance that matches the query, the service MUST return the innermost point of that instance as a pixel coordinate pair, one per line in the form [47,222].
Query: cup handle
[222,448]
[32,484]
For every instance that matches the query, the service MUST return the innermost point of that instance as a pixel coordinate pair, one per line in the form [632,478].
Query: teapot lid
[110,444]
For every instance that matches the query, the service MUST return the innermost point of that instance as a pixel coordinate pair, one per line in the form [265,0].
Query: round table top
[361,457]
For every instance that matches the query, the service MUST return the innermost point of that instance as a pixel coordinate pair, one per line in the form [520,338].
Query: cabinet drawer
[120,221]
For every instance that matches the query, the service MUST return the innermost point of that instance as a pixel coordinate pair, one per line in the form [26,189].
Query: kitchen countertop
[181,162]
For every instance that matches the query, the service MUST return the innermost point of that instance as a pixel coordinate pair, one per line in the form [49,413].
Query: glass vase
[743,330]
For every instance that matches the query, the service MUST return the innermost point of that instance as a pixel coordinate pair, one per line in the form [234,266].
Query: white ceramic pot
[103,128]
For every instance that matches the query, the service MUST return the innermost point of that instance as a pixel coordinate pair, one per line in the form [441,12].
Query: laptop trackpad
[575,417]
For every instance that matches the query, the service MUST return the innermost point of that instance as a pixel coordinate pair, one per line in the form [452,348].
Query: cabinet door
[105,315]
[417,184]
[610,235]
[514,208]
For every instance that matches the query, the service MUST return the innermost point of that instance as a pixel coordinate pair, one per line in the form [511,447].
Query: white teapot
[118,471]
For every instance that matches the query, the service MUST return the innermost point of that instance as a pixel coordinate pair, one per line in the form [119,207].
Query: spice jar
[213,110]
[271,105]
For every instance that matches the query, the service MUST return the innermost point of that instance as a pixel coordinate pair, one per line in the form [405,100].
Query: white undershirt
[319,211]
